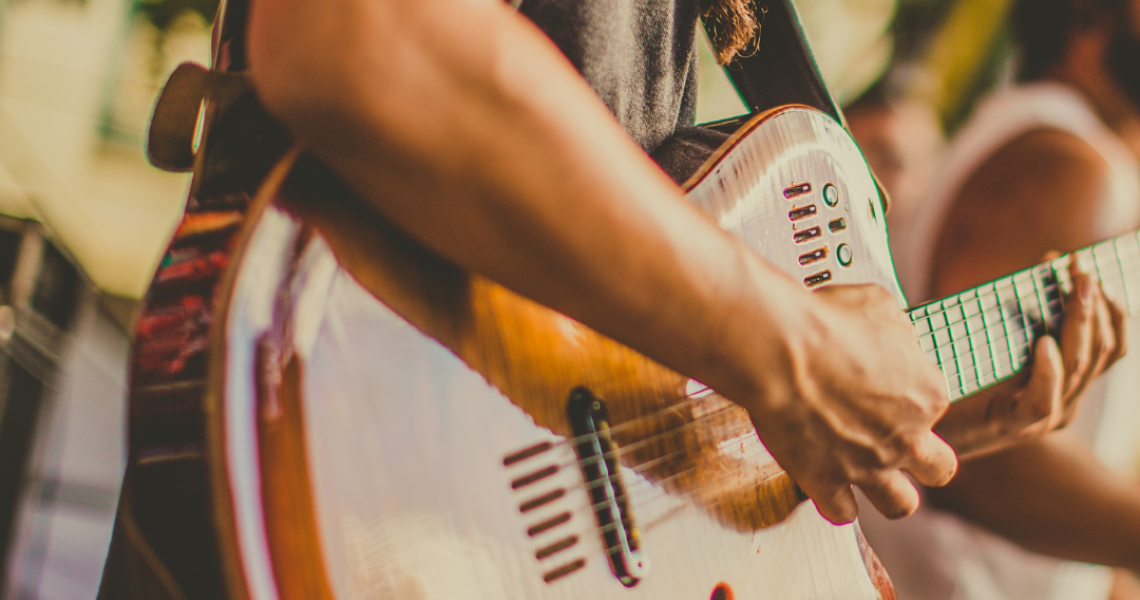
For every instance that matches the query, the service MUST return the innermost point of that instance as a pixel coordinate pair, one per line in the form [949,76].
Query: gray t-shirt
[641,58]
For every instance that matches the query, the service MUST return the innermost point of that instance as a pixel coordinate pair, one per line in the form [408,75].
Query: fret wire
[1047,314]
[988,372]
[989,337]
[942,312]
[1048,288]
[1014,347]
[1014,360]
[1020,346]
[1024,316]
[1042,302]
[970,338]
[965,388]
[1013,352]
[954,352]
[1050,311]
[1005,320]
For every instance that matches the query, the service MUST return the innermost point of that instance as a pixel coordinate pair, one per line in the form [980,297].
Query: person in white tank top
[1047,165]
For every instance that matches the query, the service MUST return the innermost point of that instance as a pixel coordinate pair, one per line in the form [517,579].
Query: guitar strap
[781,70]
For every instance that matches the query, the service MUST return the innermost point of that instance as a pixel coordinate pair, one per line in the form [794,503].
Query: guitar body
[384,425]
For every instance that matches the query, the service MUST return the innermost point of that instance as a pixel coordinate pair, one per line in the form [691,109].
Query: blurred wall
[77,80]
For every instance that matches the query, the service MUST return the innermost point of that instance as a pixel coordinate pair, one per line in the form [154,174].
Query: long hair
[731,24]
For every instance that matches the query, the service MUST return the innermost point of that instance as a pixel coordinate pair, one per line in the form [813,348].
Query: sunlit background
[77,80]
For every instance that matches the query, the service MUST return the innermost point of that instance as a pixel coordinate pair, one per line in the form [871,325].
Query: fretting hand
[1046,396]
[852,402]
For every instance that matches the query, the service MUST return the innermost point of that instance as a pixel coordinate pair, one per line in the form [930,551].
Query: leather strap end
[170,139]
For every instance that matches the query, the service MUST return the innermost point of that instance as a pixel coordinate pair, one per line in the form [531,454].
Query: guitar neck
[985,334]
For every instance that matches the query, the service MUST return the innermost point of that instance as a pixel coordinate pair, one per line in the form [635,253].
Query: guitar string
[1057,268]
[957,304]
[655,493]
[623,451]
[988,328]
[640,468]
[984,347]
[701,394]
[687,400]
[981,358]
[1059,262]
[628,487]
[650,499]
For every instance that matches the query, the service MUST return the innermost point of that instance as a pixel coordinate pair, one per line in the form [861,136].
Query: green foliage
[163,13]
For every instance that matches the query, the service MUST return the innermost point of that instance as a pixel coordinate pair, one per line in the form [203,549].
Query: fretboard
[985,334]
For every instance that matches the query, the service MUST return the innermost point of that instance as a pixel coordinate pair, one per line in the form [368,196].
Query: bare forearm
[508,164]
[1051,496]
[461,123]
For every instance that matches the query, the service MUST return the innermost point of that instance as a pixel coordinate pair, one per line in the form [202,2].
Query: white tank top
[934,555]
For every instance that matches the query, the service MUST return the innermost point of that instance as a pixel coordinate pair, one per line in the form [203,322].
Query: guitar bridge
[597,457]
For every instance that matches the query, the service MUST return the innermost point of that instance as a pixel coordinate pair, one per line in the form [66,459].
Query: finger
[931,461]
[1077,332]
[836,504]
[892,494]
[1042,397]
[1104,343]
[1100,345]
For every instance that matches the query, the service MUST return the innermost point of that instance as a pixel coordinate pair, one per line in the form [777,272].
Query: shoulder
[1041,191]
[1050,173]
[1046,154]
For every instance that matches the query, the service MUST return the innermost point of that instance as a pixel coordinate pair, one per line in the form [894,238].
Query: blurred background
[84,219]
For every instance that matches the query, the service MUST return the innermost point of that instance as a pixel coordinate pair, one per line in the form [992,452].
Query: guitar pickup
[597,456]
[802,212]
[807,234]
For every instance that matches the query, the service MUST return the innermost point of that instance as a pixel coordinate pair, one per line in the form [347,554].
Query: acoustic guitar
[379,423]
[388,425]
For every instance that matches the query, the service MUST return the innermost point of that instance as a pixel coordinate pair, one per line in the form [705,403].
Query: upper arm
[1038,193]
